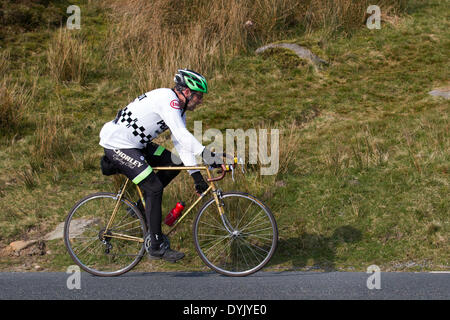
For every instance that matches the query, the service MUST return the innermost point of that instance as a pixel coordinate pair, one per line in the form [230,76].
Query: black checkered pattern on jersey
[127,117]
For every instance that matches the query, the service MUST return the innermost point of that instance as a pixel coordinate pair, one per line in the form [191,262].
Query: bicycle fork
[218,197]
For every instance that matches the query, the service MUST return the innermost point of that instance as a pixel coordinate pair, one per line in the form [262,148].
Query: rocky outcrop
[302,52]
[443,92]
[37,246]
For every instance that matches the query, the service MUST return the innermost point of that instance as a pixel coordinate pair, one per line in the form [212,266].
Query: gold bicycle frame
[212,187]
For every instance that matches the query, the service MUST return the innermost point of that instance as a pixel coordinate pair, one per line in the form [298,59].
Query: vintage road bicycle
[234,233]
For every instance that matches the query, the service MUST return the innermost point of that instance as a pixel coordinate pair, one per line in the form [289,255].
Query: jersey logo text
[175,104]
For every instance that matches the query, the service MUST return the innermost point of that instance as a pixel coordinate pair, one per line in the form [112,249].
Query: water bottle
[174,214]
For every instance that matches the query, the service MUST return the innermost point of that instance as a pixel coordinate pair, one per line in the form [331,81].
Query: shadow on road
[313,251]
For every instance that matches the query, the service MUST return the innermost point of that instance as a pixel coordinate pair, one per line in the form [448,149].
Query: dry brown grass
[158,37]
[4,62]
[156,41]
[289,142]
[14,101]
[67,57]
[332,16]
[363,152]
[50,142]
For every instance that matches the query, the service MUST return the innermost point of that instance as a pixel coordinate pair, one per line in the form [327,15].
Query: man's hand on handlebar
[199,183]
[215,160]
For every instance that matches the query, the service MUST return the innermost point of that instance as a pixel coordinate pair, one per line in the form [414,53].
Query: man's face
[196,99]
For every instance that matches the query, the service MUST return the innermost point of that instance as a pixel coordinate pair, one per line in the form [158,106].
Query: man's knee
[151,185]
[166,176]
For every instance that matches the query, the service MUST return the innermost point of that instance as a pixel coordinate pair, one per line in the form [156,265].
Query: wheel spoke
[91,248]
[245,213]
[248,247]
[255,218]
[213,226]
[217,242]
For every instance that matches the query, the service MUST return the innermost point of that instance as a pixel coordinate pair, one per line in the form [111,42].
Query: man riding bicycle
[127,141]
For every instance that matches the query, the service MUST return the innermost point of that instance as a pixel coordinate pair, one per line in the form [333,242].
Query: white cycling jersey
[145,118]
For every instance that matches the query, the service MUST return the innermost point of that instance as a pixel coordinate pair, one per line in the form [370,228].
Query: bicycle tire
[226,260]
[94,227]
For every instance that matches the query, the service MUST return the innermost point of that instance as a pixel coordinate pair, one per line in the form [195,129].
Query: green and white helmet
[192,80]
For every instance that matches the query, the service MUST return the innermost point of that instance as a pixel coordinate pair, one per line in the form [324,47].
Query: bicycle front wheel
[99,251]
[241,241]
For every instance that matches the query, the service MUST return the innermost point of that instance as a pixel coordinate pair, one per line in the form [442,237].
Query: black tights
[153,187]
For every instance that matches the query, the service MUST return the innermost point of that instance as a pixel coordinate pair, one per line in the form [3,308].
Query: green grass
[367,182]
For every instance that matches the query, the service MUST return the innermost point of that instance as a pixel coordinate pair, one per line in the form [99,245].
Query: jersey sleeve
[184,142]
[186,157]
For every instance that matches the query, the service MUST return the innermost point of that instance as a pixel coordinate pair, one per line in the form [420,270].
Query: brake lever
[237,160]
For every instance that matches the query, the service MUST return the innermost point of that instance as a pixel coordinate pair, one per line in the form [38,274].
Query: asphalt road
[212,286]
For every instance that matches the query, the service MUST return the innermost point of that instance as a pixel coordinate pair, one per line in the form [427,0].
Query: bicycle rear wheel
[101,253]
[241,241]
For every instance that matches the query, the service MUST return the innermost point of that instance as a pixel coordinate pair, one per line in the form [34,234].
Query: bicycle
[235,234]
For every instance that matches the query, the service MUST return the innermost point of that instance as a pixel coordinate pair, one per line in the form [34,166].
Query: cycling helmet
[192,80]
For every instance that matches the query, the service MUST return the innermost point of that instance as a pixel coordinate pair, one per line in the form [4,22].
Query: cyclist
[128,146]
